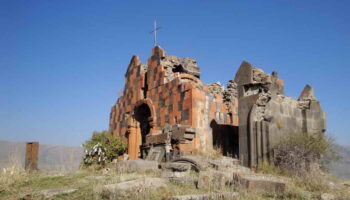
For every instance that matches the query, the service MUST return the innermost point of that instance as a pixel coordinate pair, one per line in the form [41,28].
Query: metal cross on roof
[155,32]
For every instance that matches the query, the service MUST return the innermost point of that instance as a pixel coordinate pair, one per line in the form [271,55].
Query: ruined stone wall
[266,115]
[210,108]
[177,98]
[165,104]
[122,110]
[171,97]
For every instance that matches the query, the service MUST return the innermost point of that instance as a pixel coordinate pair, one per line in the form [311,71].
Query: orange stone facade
[165,104]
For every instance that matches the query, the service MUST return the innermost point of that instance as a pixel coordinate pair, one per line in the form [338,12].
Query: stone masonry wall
[266,115]
[165,105]
[175,96]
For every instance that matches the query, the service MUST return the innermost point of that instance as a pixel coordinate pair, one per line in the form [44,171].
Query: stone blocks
[256,182]
[212,179]
[135,166]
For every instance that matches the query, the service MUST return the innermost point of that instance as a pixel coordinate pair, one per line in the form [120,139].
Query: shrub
[267,168]
[102,148]
[298,151]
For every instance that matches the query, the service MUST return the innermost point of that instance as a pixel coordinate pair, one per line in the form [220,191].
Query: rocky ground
[189,178]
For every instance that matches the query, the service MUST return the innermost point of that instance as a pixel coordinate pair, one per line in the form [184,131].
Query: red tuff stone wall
[183,99]
[134,82]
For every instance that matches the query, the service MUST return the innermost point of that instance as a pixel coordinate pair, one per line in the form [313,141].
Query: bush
[297,152]
[102,148]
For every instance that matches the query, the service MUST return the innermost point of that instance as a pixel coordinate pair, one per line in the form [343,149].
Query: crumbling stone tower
[266,115]
[167,110]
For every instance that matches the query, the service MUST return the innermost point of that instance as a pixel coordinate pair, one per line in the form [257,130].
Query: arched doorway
[142,114]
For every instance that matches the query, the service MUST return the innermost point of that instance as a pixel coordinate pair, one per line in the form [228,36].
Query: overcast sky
[62,62]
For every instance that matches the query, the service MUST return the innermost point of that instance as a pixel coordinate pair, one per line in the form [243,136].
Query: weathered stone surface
[135,185]
[180,167]
[256,182]
[265,114]
[259,76]
[197,163]
[224,163]
[177,172]
[53,192]
[156,154]
[175,64]
[307,93]
[216,88]
[230,94]
[213,179]
[222,196]
[135,166]
[180,132]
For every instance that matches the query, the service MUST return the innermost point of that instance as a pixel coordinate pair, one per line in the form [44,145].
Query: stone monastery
[166,111]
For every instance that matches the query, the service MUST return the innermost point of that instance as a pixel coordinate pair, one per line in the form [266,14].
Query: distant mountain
[341,168]
[51,157]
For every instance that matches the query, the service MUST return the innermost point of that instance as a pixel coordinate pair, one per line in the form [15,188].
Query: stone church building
[166,108]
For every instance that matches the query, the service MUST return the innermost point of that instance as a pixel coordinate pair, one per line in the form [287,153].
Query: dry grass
[310,185]
[16,183]
[10,176]
[267,168]
[212,154]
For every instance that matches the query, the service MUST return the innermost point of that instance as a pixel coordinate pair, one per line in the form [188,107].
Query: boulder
[258,182]
[214,179]
[178,173]
[180,167]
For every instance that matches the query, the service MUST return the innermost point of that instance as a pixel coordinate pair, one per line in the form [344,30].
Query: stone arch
[149,103]
[142,114]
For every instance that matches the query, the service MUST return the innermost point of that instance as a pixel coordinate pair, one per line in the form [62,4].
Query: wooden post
[32,150]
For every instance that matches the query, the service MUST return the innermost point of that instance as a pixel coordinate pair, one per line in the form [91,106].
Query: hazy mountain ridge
[68,158]
[51,157]
[341,168]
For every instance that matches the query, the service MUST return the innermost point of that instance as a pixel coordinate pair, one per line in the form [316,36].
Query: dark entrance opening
[143,115]
[225,138]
